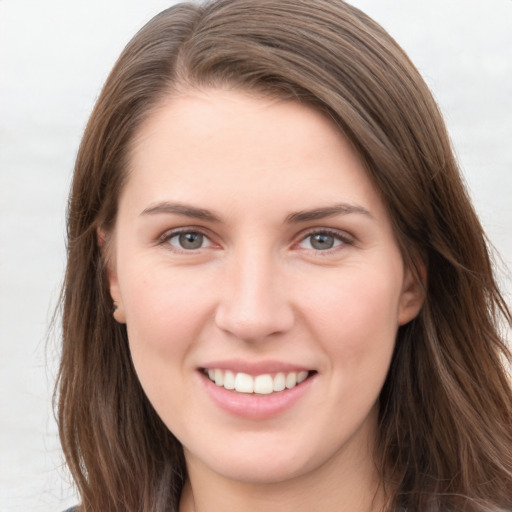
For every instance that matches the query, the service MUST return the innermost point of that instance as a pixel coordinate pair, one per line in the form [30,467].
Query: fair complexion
[251,248]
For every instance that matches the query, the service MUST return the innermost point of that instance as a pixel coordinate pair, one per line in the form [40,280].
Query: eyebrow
[181,209]
[323,213]
[167,207]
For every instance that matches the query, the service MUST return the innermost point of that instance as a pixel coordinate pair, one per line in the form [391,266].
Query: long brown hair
[446,407]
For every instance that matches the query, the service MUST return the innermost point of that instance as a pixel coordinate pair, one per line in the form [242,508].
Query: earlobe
[118,312]
[105,245]
[413,293]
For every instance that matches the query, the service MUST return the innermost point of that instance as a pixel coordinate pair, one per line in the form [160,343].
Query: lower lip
[253,406]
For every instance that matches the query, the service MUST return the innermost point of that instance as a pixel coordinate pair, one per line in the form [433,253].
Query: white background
[54,57]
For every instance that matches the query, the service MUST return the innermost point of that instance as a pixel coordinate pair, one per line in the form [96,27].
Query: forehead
[229,145]
[212,118]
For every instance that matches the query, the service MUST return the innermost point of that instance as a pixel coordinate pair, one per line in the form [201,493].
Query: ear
[105,245]
[413,293]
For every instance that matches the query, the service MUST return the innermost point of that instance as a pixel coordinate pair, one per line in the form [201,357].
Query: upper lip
[254,367]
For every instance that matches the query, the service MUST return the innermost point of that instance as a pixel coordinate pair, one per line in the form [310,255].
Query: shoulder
[72,509]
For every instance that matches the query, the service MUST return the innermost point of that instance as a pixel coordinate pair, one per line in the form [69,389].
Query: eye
[324,240]
[187,240]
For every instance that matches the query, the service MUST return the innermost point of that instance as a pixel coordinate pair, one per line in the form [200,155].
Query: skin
[258,289]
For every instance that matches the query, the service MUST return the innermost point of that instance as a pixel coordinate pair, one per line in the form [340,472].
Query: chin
[259,472]
[260,463]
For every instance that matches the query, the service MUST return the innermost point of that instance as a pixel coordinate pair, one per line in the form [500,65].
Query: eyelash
[342,237]
[169,235]
[339,236]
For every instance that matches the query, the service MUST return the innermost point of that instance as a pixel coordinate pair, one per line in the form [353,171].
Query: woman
[278,295]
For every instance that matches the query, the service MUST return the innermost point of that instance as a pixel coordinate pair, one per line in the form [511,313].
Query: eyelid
[171,233]
[342,236]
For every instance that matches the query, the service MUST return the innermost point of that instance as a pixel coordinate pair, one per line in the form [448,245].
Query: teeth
[229,380]
[219,377]
[301,377]
[260,384]
[291,380]
[263,384]
[279,382]
[243,383]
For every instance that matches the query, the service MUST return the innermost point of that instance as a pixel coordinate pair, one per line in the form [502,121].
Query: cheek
[165,314]
[164,311]
[356,318]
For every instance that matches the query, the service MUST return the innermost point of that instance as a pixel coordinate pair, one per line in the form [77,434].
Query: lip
[251,406]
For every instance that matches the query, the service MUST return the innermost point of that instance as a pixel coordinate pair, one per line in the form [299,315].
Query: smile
[264,384]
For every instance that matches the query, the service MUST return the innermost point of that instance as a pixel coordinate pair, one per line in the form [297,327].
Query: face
[257,272]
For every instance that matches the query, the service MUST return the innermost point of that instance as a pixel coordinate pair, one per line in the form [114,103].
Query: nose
[254,302]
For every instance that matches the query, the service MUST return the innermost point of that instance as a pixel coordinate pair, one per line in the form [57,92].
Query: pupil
[191,240]
[322,241]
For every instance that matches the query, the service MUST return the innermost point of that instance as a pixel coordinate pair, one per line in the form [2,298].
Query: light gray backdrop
[54,56]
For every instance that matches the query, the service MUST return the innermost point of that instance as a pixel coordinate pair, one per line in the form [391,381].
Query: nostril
[253,322]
